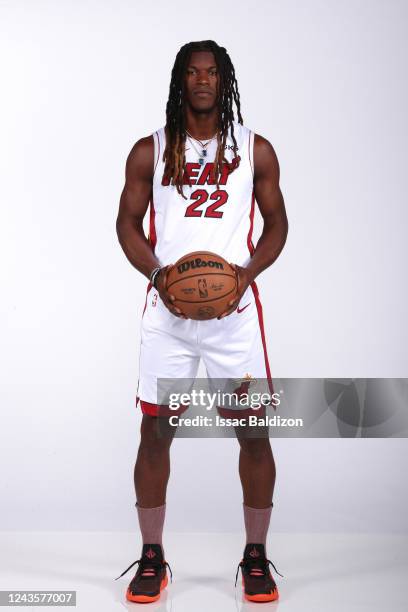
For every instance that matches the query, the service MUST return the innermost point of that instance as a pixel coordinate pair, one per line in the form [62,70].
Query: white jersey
[210,219]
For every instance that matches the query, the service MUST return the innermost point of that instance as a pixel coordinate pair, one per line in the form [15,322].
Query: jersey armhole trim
[156,151]
[251,140]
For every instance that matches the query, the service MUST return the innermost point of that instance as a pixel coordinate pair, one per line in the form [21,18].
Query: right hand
[167,298]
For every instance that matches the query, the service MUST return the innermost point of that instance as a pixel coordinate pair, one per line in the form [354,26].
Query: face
[201,81]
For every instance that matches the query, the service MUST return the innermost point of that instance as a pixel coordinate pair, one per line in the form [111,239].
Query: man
[201,175]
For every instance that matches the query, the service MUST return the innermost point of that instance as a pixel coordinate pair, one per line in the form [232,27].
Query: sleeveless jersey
[210,219]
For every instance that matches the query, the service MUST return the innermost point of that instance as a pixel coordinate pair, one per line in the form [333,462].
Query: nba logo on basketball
[202,288]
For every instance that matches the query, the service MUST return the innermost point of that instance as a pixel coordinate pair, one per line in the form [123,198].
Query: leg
[151,474]
[234,346]
[237,350]
[165,353]
[152,469]
[257,471]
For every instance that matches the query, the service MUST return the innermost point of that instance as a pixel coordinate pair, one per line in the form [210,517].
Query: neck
[201,125]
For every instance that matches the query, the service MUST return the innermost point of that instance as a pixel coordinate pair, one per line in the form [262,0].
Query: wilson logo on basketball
[199,263]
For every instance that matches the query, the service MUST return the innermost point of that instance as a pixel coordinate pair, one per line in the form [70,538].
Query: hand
[167,298]
[244,279]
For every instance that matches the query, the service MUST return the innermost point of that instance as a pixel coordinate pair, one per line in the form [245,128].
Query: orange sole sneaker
[147,598]
[261,597]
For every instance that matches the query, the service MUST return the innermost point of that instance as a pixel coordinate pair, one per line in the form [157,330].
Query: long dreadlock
[174,156]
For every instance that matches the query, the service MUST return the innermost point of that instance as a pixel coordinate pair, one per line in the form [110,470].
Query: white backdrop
[81,82]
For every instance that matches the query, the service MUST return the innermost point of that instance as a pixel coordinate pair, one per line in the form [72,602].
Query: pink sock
[151,521]
[256,524]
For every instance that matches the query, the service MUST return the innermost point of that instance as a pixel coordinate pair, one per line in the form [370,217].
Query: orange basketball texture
[203,283]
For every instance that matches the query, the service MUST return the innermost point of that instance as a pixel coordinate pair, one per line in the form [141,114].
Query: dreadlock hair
[174,155]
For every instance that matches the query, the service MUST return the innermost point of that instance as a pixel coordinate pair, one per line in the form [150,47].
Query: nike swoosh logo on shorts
[239,310]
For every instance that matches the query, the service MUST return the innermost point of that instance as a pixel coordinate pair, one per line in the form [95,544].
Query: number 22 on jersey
[209,204]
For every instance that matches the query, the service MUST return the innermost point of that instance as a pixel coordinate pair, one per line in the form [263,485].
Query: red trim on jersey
[148,408]
[160,410]
[158,152]
[250,244]
[261,325]
[152,227]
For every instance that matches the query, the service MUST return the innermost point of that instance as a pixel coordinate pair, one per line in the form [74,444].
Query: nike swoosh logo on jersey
[239,310]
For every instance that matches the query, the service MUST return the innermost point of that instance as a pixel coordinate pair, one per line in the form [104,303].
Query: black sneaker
[151,576]
[256,577]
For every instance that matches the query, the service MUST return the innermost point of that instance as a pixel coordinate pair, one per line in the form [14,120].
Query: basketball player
[201,175]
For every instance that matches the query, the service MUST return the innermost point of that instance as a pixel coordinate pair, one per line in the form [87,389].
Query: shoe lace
[147,567]
[256,567]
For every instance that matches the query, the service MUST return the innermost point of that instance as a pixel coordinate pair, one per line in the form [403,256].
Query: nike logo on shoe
[239,310]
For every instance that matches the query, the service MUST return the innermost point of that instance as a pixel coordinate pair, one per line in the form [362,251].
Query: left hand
[244,279]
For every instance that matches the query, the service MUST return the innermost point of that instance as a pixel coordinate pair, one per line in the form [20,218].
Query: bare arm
[272,208]
[134,202]
[271,205]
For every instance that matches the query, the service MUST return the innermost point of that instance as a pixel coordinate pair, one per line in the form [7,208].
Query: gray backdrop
[326,83]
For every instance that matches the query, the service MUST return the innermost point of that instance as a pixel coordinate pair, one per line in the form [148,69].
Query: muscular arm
[133,205]
[134,202]
[271,205]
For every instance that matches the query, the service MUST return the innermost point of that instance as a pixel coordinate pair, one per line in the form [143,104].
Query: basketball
[203,283]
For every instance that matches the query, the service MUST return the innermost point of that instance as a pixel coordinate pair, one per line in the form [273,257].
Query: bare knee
[155,439]
[256,448]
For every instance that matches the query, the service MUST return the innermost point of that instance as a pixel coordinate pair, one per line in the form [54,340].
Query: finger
[176,311]
[237,276]
[180,316]
[164,272]
[172,308]
[170,298]
[226,313]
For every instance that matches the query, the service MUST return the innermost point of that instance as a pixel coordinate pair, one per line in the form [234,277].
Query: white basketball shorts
[171,347]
